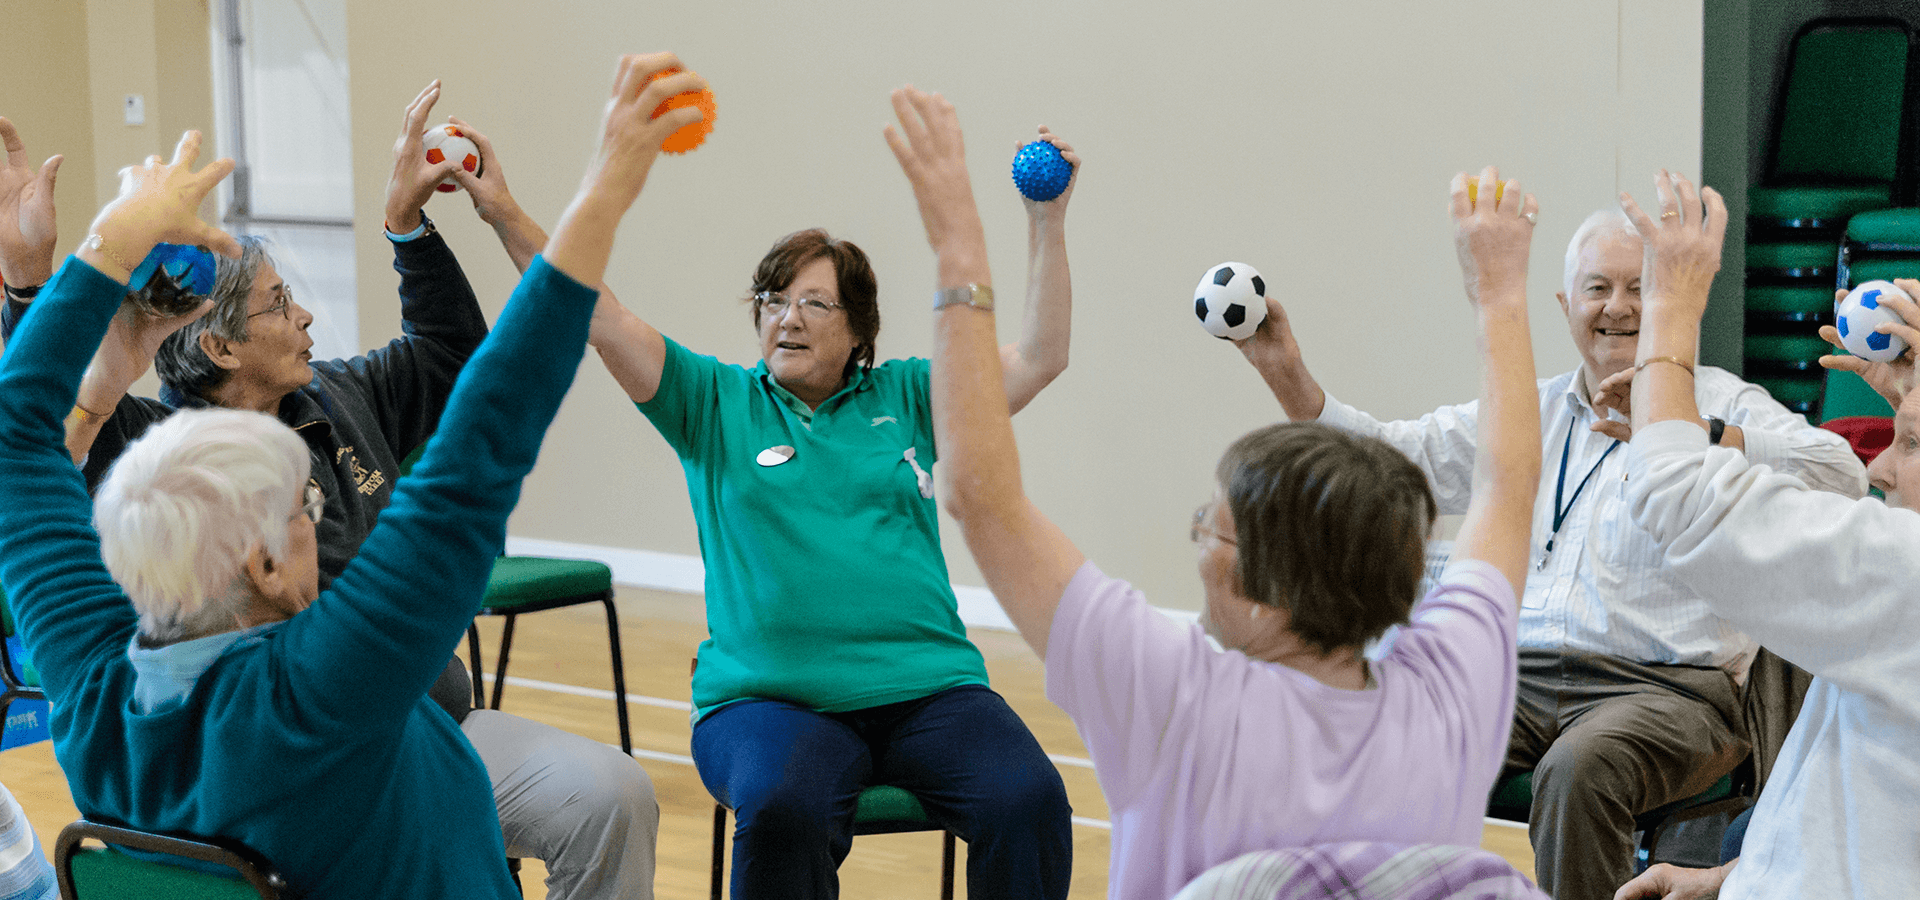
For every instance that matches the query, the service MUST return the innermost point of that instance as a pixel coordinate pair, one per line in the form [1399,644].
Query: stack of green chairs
[1839,149]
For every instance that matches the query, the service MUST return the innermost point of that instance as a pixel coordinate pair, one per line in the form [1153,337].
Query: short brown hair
[1332,527]
[859,292]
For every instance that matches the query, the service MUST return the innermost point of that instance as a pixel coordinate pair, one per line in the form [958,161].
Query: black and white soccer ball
[1231,301]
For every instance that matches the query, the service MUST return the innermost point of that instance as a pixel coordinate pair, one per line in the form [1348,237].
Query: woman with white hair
[240,702]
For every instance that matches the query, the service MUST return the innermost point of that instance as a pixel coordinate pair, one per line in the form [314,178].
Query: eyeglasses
[315,507]
[281,306]
[774,303]
[1199,527]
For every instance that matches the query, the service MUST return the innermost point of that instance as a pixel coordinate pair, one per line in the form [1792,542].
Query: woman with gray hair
[248,704]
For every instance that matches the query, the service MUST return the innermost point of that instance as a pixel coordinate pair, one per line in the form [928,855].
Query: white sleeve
[1829,583]
[1442,443]
[1782,440]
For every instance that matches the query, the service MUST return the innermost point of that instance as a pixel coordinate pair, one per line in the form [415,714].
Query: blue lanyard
[1560,512]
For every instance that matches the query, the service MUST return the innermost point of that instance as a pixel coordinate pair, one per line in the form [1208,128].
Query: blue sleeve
[370,647]
[71,615]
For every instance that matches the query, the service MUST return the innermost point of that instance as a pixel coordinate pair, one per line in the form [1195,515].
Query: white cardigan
[1832,585]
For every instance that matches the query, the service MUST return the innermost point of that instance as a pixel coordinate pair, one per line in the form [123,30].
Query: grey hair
[1602,222]
[184,505]
[183,367]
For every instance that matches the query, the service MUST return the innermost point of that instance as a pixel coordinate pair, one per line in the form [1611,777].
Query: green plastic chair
[528,584]
[883,809]
[106,873]
[1836,146]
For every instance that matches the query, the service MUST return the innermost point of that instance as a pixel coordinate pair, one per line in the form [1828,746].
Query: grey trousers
[1608,739]
[583,808]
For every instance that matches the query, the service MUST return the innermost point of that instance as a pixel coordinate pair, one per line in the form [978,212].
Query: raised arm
[67,605]
[1492,236]
[1681,256]
[634,352]
[1040,355]
[455,504]
[1027,561]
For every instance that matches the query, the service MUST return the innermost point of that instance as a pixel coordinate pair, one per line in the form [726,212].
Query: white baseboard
[686,575]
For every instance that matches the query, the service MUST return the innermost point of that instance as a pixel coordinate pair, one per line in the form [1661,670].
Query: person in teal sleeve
[836,658]
[200,680]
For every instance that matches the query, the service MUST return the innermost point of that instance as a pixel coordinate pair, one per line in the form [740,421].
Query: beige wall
[45,92]
[1313,141]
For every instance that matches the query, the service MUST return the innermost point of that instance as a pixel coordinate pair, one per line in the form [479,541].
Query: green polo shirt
[826,586]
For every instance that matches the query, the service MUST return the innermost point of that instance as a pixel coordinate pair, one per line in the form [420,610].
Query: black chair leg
[473,662]
[946,866]
[619,676]
[500,665]
[719,848]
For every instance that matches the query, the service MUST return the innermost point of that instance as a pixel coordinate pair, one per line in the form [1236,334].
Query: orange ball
[690,136]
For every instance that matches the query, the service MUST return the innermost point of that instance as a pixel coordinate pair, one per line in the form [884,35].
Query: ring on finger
[1668,215]
[1532,218]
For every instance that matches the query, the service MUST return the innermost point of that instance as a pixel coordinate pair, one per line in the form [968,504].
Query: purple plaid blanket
[1364,871]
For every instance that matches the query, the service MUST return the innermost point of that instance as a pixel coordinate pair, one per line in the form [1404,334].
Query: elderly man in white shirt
[1826,582]
[1629,694]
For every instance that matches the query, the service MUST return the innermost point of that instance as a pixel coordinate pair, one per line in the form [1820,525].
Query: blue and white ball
[1231,301]
[1859,313]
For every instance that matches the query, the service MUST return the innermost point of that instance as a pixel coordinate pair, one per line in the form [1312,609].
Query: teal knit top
[311,741]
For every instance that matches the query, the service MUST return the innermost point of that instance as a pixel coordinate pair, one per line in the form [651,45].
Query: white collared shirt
[1605,587]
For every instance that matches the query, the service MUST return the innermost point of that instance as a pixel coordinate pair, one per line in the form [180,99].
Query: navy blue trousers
[792,777]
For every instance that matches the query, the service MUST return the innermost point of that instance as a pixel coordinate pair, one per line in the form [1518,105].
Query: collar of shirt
[163,676]
[799,407]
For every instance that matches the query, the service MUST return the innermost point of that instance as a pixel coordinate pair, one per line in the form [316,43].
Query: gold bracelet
[84,416]
[99,244]
[1665,359]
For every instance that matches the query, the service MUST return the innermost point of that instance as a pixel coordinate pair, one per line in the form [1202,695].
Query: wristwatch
[1716,428]
[978,296]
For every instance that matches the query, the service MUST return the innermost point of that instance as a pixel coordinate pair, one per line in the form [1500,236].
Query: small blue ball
[1040,172]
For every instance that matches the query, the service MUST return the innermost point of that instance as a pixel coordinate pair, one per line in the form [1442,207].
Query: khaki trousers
[1607,739]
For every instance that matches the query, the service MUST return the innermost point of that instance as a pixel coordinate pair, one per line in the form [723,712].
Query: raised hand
[1051,209]
[488,189]
[413,178]
[157,202]
[630,137]
[1682,247]
[1893,379]
[629,143]
[27,232]
[1492,235]
[931,152]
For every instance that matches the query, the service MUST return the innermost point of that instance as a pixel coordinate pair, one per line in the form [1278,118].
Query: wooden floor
[659,632]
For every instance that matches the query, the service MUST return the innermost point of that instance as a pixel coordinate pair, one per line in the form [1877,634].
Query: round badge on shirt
[773,456]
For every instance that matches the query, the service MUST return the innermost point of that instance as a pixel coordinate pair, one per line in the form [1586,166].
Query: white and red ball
[444,142]
[1859,313]
[1231,301]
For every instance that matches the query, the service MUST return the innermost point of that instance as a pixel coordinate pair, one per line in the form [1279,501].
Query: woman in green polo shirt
[837,658]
